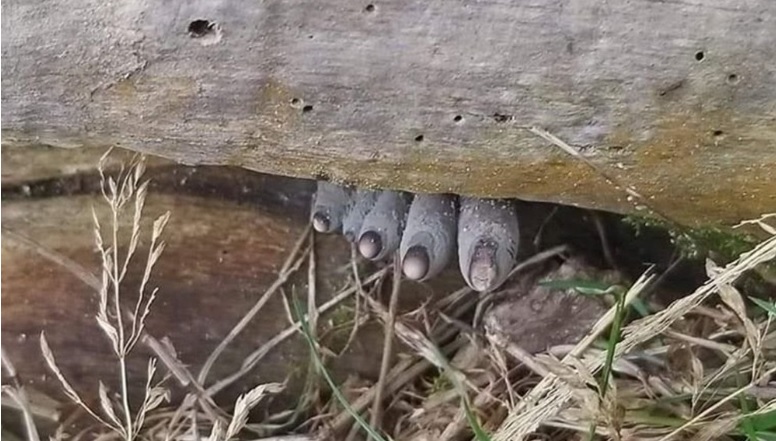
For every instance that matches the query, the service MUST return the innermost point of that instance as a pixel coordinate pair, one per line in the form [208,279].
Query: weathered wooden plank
[202,270]
[213,270]
[673,98]
[229,234]
[24,165]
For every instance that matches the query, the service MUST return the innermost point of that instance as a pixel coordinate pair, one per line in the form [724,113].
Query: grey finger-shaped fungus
[382,228]
[488,238]
[428,241]
[361,204]
[331,202]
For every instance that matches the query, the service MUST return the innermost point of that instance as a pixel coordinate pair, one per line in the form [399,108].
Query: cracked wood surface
[675,99]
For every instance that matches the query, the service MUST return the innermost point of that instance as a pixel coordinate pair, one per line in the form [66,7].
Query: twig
[401,374]
[607,250]
[357,300]
[70,265]
[538,258]
[519,354]
[371,431]
[289,267]
[388,330]
[537,241]
[253,358]
[312,307]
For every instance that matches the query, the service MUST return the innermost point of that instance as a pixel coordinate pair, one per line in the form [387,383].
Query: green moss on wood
[720,243]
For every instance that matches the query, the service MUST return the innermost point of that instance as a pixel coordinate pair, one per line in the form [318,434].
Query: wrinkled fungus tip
[482,270]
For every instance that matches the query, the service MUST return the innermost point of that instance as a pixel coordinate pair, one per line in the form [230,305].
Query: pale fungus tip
[321,222]
[416,263]
[370,244]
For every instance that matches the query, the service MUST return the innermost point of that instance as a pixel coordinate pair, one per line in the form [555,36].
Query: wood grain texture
[25,166]
[230,232]
[211,273]
[223,252]
[675,98]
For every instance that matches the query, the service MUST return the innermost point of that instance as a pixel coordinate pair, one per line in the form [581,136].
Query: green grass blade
[582,286]
[763,422]
[745,424]
[443,364]
[765,436]
[611,346]
[371,431]
[640,306]
[769,307]
[479,433]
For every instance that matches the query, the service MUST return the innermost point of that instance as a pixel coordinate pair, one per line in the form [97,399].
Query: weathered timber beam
[676,99]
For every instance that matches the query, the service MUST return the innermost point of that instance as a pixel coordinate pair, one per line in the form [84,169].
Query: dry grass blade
[169,359]
[733,299]
[714,407]
[217,432]
[312,302]
[68,389]
[428,350]
[290,266]
[70,265]
[107,405]
[154,252]
[291,438]
[401,374]
[112,317]
[760,222]
[311,391]
[357,299]
[549,395]
[538,258]
[245,403]
[388,331]
[519,354]
[305,330]
[649,327]
[253,358]
[407,369]
[18,394]
[154,395]
[711,430]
